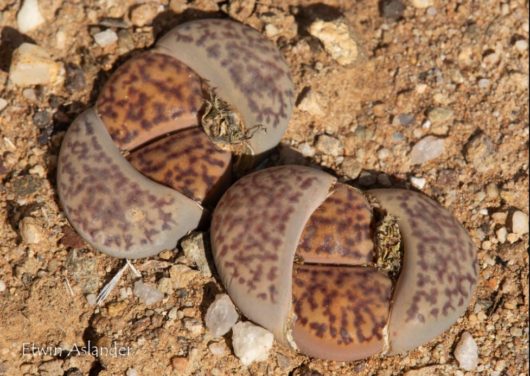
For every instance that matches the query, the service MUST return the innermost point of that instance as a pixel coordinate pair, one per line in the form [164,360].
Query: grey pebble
[426,149]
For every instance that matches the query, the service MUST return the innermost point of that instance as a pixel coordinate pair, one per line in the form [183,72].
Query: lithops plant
[340,274]
[166,133]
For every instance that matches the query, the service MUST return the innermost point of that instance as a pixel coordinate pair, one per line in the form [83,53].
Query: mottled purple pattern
[187,161]
[341,311]
[339,231]
[148,96]
[255,229]
[111,205]
[439,270]
[246,69]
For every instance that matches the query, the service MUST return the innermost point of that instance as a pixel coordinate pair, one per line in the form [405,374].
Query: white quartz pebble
[466,352]
[106,38]
[29,16]
[32,65]
[146,293]
[221,316]
[251,343]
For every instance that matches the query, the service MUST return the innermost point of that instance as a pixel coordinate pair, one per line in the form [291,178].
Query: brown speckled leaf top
[255,230]
[341,311]
[339,231]
[439,269]
[245,68]
[150,95]
[110,204]
[186,161]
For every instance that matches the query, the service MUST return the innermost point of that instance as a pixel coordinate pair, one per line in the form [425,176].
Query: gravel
[147,293]
[311,103]
[194,249]
[440,115]
[29,16]
[221,316]
[418,182]
[329,145]
[480,151]
[392,9]
[337,40]
[519,223]
[306,150]
[218,348]
[501,234]
[106,38]
[31,230]
[32,65]
[427,149]
[144,14]
[251,343]
[351,168]
[466,352]
[421,4]
[3,104]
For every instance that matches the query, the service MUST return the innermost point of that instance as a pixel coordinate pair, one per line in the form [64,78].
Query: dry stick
[114,281]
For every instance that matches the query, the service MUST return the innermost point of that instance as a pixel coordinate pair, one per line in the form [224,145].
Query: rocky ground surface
[422,93]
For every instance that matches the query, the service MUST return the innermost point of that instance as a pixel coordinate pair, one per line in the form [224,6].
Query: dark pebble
[75,78]
[392,9]
[42,119]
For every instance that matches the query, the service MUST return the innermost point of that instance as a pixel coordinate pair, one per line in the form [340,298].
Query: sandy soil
[467,58]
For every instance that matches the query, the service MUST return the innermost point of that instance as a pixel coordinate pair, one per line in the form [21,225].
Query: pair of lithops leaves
[308,258]
[168,132]
[340,274]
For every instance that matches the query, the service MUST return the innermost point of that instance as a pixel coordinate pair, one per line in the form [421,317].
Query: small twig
[68,286]
[134,270]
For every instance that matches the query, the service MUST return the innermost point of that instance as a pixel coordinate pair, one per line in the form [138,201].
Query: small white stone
[32,65]
[383,153]
[105,38]
[31,230]
[431,11]
[181,275]
[131,372]
[144,14]
[3,104]
[519,223]
[193,326]
[2,286]
[521,45]
[329,145]
[147,293]
[337,40]
[501,233]
[221,316]
[218,348]
[426,149]
[421,4]
[91,299]
[466,352]
[306,150]
[60,39]
[483,83]
[418,182]
[311,104]
[440,115]
[29,16]
[251,343]
[271,30]
[351,167]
